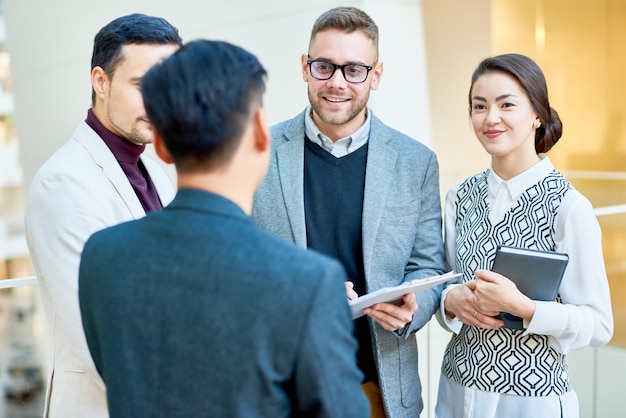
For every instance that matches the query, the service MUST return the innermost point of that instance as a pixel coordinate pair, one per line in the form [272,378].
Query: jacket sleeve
[59,218]
[328,380]
[427,253]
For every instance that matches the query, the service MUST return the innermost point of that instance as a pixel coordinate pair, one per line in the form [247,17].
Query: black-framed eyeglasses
[352,73]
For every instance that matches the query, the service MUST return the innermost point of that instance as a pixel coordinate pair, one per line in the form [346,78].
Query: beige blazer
[79,190]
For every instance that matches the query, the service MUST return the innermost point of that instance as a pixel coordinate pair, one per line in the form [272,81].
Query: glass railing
[20,281]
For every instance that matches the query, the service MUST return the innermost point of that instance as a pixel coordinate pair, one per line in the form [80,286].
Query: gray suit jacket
[401,229]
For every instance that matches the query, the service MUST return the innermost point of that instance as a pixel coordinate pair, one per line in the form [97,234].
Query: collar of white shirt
[502,193]
[343,146]
[518,184]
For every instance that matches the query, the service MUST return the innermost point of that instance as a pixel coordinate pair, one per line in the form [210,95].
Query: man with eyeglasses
[343,183]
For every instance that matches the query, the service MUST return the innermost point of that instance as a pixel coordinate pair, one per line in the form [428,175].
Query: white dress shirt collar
[502,193]
[343,146]
[518,184]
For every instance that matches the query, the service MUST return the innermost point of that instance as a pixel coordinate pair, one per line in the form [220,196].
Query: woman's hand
[460,302]
[495,293]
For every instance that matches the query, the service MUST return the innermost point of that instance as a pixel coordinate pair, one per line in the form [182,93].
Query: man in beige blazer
[97,179]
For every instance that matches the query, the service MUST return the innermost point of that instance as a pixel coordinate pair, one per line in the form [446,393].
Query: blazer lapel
[161,181]
[290,161]
[381,160]
[110,167]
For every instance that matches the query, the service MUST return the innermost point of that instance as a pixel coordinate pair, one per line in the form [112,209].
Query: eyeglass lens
[353,73]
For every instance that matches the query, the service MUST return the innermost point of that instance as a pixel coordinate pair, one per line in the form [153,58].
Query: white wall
[458,38]
[50,45]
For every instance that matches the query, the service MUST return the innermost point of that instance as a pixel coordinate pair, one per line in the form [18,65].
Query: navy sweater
[333,204]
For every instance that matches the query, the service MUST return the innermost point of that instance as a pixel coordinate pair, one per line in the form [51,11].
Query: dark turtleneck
[127,155]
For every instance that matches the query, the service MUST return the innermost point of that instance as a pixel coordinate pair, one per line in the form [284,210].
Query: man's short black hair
[201,99]
[135,28]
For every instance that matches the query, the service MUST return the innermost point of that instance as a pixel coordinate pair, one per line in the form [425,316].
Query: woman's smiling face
[502,116]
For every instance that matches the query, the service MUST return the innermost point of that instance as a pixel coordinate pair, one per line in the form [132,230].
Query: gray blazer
[402,238]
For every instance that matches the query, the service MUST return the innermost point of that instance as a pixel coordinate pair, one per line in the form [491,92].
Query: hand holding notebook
[537,274]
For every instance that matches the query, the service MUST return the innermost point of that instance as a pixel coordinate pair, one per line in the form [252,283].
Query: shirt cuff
[549,319]
[452,324]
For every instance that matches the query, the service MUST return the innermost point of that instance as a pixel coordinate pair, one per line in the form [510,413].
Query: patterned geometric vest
[504,360]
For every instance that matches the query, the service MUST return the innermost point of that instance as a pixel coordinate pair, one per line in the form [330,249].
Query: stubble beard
[135,135]
[139,137]
[337,118]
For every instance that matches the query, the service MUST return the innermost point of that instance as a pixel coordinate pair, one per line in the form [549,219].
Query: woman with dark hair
[490,370]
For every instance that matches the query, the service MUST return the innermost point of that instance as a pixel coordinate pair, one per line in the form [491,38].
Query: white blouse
[584,318]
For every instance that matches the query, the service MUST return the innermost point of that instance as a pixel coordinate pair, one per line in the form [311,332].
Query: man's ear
[161,149]
[261,131]
[376,76]
[305,67]
[99,80]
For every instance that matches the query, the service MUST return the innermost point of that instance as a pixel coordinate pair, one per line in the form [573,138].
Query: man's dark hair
[201,99]
[135,28]
[348,20]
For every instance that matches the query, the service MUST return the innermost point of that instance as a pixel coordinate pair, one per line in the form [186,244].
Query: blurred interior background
[429,47]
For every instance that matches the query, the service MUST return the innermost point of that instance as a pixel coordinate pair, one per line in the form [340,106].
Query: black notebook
[537,274]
